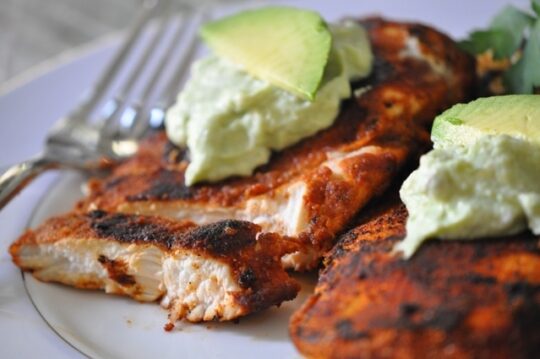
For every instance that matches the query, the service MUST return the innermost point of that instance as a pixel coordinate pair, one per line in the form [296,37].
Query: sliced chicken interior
[220,271]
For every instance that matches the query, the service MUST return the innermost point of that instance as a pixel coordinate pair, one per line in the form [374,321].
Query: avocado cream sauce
[231,121]
[488,188]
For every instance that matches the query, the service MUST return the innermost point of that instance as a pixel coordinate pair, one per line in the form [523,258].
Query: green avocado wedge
[513,115]
[284,46]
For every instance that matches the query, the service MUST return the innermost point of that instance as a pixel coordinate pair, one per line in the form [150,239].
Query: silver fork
[76,142]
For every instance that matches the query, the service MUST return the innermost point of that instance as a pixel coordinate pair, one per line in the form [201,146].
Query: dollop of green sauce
[231,122]
[488,188]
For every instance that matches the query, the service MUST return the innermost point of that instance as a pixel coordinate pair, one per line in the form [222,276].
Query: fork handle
[16,177]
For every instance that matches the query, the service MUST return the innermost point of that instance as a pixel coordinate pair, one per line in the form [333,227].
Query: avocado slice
[284,46]
[513,115]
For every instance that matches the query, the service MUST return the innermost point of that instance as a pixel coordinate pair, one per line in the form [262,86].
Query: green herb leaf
[536,6]
[514,21]
[499,40]
[514,80]
[504,35]
[524,76]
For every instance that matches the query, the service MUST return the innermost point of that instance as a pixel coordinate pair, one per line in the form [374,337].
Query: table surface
[32,31]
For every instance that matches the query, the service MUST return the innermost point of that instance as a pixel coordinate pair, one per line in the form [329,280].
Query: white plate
[106,326]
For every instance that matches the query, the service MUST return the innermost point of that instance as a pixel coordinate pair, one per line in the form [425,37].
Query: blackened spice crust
[221,238]
[166,185]
[131,228]
[218,239]
[480,298]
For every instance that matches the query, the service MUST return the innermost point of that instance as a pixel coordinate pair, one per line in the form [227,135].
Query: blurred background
[32,31]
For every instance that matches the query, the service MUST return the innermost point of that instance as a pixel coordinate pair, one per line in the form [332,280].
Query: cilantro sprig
[512,31]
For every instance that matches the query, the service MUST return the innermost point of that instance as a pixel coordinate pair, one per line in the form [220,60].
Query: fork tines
[143,78]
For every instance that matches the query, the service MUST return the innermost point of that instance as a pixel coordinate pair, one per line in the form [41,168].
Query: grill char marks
[456,299]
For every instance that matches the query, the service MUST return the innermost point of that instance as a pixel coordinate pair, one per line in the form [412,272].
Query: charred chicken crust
[252,258]
[311,190]
[453,299]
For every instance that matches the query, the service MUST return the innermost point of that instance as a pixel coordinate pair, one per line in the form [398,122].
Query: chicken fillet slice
[219,271]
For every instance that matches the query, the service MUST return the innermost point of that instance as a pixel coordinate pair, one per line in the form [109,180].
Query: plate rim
[46,190]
